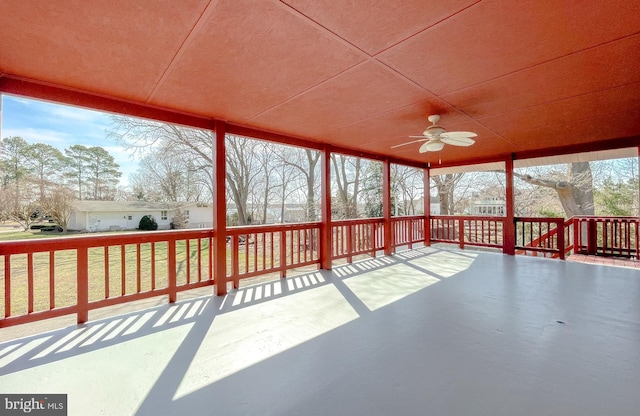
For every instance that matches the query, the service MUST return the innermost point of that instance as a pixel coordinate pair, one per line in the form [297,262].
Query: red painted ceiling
[528,76]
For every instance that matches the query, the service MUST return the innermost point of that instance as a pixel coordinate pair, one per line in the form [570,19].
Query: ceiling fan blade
[457,134]
[431,146]
[458,141]
[411,142]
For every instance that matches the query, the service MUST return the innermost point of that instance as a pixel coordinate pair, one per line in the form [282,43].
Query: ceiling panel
[495,38]
[610,126]
[604,67]
[116,47]
[249,56]
[372,25]
[364,92]
[578,108]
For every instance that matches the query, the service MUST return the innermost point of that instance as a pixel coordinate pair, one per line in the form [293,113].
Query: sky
[61,127]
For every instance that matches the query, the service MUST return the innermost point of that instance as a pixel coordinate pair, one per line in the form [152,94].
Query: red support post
[386,207]
[509,228]
[325,210]
[461,233]
[427,206]
[219,209]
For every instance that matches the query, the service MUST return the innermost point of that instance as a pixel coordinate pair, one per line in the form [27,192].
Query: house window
[163,215]
[130,217]
[186,214]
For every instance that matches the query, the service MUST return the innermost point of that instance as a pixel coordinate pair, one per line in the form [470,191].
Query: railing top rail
[470,217]
[90,241]
[558,220]
[407,217]
[262,228]
[358,221]
[604,217]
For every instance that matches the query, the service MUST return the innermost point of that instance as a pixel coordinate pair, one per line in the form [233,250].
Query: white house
[126,215]
[489,206]
[198,214]
[116,215]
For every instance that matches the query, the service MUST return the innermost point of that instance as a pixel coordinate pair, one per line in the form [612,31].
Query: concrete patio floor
[423,332]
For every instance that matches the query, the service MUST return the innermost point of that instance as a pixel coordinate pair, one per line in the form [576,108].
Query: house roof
[119,206]
[533,77]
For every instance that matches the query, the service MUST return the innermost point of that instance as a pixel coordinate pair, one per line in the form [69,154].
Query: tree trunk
[575,194]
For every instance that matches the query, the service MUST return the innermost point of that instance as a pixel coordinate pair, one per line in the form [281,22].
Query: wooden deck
[423,332]
[606,260]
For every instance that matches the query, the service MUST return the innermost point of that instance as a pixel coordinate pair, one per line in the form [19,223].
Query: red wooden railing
[608,236]
[262,249]
[75,275]
[354,237]
[407,230]
[480,231]
[541,236]
[592,235]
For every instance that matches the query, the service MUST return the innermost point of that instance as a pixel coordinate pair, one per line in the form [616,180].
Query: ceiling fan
[435,137]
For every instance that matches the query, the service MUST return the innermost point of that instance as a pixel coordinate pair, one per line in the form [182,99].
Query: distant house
[116,215]
[489,206]
[198,214]
[434,206]
[126,215]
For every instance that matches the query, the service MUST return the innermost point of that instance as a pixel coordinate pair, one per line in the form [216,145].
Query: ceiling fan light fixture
[431,146]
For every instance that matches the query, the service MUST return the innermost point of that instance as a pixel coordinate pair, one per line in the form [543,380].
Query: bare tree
[242,171]
[347,172]
[19,203]
[59,205]
[306,161]
[408,183]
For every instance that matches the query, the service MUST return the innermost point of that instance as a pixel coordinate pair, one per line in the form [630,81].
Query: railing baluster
[123,270]
[106,272]
[153,266]
[30,288]
[187,261]
[283,253]
[255,251]
[138,269]
[82,276]
[172,269]
[52,280]
[199,259]
[7,285]
[271,248]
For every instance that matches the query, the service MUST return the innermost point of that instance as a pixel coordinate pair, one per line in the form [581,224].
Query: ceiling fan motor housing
[433,131]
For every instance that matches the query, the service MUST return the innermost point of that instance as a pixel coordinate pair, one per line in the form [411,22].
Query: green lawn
[24,235]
